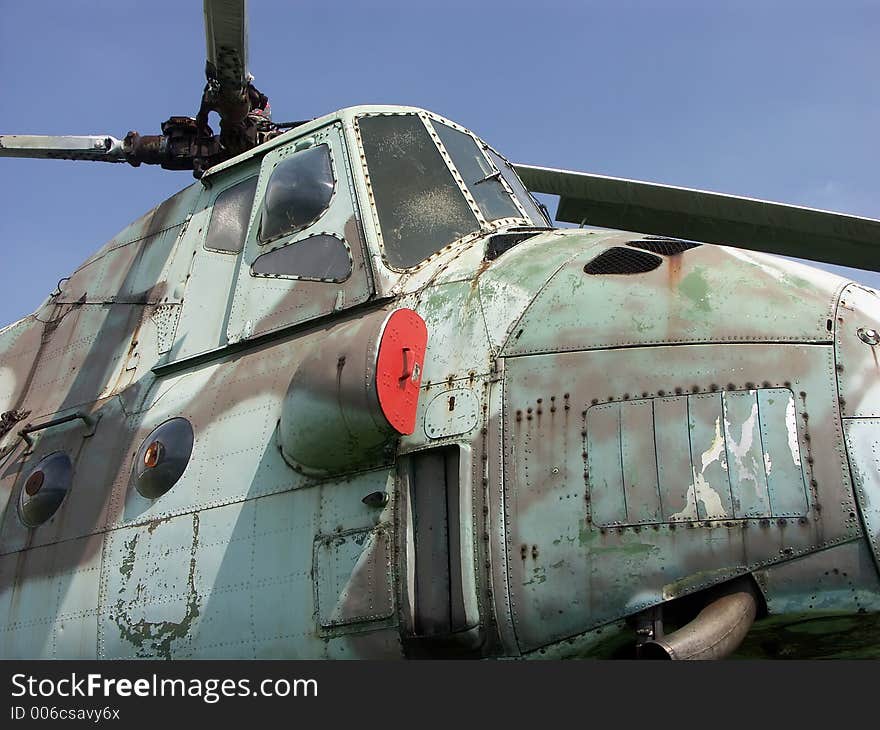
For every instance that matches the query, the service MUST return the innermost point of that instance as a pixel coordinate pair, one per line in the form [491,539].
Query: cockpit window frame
[482,146]
[308,143]
[484,226]
[249,172]
[303,277]
[545,217]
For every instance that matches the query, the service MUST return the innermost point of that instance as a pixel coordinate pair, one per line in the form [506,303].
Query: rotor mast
[186,143]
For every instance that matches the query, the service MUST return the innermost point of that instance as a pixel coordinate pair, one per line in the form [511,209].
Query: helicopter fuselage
[194,462]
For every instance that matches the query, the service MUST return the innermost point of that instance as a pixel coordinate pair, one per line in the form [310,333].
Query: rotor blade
[697,215]
[101,148]
[226,39]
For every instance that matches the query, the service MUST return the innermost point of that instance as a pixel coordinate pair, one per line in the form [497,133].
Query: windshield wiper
[491,176]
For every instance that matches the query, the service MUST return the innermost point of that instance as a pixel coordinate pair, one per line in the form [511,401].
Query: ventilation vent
[663,246]
[619,260]
[502,242]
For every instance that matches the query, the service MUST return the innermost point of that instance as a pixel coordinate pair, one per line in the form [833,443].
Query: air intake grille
[663,246]
[503,242]
[619,260]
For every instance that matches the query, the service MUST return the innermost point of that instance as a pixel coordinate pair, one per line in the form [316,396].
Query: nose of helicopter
[662,398]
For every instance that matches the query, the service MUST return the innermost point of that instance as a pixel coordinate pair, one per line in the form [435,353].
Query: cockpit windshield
[421,208]
[421,205]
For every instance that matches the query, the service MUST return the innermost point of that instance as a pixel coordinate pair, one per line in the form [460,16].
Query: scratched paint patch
[716,456]
[152,602]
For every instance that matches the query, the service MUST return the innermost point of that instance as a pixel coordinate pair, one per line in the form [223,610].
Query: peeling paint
[128,561]
[157,638]
[740,449]
[700,490]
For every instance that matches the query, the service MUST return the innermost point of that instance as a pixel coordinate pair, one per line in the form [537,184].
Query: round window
[44,488]
[162,458]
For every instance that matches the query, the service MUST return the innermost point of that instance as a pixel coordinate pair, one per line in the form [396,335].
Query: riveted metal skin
[609,443]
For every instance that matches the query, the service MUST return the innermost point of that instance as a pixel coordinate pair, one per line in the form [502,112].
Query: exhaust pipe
[716,632]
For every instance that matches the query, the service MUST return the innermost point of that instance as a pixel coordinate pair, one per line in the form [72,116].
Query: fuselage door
[304,253]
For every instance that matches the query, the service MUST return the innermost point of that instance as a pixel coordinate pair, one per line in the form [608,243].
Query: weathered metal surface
[823,605]
[353,575]
[332,420]
[575,572]
[621,440]
[688,299]
[451,413]
[735,459]
[863,446]
[858,361]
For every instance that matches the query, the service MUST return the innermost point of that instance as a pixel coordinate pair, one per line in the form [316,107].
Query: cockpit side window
[524,196]
[297,194]
[230,216]
[321,257]
[482,179]
[420,207]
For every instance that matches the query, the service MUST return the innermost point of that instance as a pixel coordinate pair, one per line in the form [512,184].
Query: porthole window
[298,192]
[230,216]
[162,458]
[44,489]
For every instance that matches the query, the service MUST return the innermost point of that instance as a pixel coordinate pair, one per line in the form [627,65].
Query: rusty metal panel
[173,585]
[779,435]
[747,463]
[607,497]
[149,596]
[709,457]
[674,471]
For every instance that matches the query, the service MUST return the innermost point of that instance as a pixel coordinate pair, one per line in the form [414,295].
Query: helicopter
[354,394]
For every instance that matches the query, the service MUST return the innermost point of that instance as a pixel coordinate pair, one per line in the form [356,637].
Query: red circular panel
[399,368]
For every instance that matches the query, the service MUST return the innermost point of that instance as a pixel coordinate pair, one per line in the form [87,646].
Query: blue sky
[769,99]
